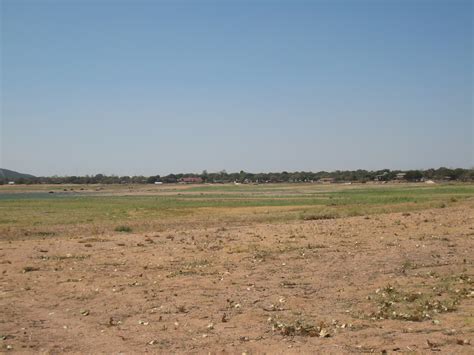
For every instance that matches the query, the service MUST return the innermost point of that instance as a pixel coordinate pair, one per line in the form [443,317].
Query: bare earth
[385,283]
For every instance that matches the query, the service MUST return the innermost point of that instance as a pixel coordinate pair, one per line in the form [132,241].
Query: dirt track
[326,286]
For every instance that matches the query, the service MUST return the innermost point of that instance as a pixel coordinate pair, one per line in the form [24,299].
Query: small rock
[324,333]
[84,312]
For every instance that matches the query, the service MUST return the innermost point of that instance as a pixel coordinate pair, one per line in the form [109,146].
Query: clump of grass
[408,265]
[354,212]
[195,267]
[181,309]
[319,216]
[200,263]
[123,229]
[316,246]
[262,255]
[183,272]
[65,257]
[30,269]
[45,234]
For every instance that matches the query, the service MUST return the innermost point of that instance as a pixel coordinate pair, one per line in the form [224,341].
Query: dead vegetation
[300,327]
[443,296]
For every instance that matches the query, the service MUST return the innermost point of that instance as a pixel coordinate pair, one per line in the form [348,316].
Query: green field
[31,211]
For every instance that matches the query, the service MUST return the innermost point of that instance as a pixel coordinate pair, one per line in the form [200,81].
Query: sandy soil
[327,286]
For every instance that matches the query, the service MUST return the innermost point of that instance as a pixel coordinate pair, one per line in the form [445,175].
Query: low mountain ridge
[6,174]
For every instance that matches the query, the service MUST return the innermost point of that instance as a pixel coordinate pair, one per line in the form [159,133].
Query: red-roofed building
[191,180]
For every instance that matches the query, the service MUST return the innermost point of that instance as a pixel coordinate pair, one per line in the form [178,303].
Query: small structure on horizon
[326,180]
[400,177]
[11,183]
[381,177]
[191,180]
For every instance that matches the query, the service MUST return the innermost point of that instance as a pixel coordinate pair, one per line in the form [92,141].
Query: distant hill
[6,174]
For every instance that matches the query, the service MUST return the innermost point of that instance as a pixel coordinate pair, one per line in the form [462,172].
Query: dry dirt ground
[384,283]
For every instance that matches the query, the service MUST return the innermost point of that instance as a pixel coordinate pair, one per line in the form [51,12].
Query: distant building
[11,183]
[191,180]
[158,183]
[327,180]
[381,177]
[400,177]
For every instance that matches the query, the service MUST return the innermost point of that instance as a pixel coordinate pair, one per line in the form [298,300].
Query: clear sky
[153,87]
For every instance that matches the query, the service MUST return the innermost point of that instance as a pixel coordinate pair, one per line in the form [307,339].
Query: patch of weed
[300,327]
[394,303]
[124,229]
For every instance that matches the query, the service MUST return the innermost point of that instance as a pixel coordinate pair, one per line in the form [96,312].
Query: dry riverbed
[396,282]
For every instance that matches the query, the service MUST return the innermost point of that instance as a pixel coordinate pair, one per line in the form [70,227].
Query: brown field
[278,269]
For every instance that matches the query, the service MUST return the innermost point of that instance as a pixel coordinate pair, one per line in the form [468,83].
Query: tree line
[361,176]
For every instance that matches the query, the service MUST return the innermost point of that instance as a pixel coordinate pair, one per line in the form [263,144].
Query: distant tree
[444,173]
[413,175]
[153,179]
[242,176]
[125,179]
[171,178]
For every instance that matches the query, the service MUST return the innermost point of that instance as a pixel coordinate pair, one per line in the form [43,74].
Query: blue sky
[153,87]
